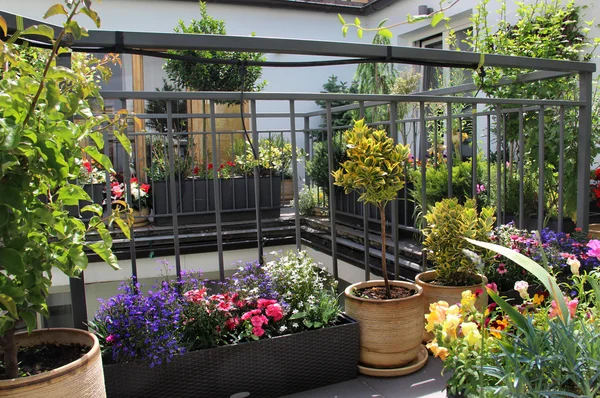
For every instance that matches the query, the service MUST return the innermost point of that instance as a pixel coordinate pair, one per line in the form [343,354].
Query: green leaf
[3,216]
[10,134]
[99,157]
[344,30]
[124,140]
[357,21]
[30,321]
[40,30]
[94,208]
[102,250]
[534,268]
[93,15]
[71,194]
[76,30]
[78,256]
[6,162]
[11,261]
[98,139]
[385,33]
[341,19]
[52,93]
[382,23]
[511,311]
[298,315]
[359,32]
[437,18]
[124,226]
[57,9]
[9,304]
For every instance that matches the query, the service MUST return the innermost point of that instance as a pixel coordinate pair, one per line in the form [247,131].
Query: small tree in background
[158,106]
[338,119]
[374,169]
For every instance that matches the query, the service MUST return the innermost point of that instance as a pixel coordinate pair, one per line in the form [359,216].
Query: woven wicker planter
[390,330]
[450,294]
[81,378]
[265,368]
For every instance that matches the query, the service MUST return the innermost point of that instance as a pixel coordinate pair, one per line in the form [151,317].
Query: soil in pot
[45,357]
[378,292]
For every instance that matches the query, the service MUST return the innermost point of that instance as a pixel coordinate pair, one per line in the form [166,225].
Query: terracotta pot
[390,330]
[81,378]
[141,217]
[451,294]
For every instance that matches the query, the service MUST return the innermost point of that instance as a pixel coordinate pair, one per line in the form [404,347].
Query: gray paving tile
[426,383]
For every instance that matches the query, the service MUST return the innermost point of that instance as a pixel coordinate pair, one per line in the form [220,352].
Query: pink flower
[257,320]
[110,338]
[594,248]
[258,331]
[232,323]
[246,316]
[275,311]
[571,305]
[264,303]
[492,286]
[501,269]
[195,295]
[224,306]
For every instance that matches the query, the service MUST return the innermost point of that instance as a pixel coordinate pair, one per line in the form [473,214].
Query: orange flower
[538,299]
[436,350]
[497,326]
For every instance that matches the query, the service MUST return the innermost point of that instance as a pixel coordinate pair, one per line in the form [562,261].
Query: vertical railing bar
[505,162]
[415,145]
[405,176]
[395,205]
[194,165]
[217,190]
[498,166]
[521,169]
[423,156]
[583,150]
[474,151]
[540,224]
[489,151]
[459,139]
[295,174]
[332,215]
[365,209]
[257,192]
[270,172]
[561,165]
[173,192]
[232,140]
[435,143]
[449,147]
[308,150]
[181,183]
[129,202]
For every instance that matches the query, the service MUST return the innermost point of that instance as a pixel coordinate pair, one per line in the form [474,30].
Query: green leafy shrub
[448,223]
[308,199]
[318,166]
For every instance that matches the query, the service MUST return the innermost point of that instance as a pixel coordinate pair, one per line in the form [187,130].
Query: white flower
[283,329]
[521,287]
[295,324]
[574,264]
[295,311]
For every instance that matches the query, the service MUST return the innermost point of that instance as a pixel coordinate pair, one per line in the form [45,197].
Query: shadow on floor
[426,382]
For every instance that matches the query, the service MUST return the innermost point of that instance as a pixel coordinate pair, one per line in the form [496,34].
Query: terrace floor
[426,382]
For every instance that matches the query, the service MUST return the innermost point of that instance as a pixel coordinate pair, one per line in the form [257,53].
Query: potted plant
[448,223]
[390,314]
[41,151]
[282,317]
[141,198]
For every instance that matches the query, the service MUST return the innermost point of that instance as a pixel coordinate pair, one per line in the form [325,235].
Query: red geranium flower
[88,166]
[134,180]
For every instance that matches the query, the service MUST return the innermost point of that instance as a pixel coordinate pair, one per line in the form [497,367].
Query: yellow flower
[451,324]
[440,352]
[499,325]
[471,334]
[468,300]
[538,299]
[453,310]
[437,315]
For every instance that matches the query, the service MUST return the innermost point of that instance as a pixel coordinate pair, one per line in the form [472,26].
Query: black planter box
[264,368]
[196,200]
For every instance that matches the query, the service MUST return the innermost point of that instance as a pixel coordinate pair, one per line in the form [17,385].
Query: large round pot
[83,378]
[451,294]
[141,217]
[390,330]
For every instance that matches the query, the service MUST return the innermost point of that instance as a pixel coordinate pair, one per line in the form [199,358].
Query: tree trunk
[383,252]
[8,345]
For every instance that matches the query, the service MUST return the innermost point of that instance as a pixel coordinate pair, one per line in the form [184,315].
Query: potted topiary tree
[448,223]
[42,150]
[390,314]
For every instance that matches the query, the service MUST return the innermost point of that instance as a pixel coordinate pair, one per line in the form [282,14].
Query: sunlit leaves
[56,9]
[3,26]
[385,33]
[437,18]
[39,30]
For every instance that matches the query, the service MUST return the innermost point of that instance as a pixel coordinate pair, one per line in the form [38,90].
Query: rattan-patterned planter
[265,368]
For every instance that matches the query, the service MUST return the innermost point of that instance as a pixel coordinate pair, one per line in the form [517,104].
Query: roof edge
[354,9]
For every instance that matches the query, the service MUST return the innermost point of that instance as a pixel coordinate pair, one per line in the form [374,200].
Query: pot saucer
[409,368]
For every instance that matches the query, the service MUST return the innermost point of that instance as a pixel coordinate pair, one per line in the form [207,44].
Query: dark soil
[378,292]
[42,358]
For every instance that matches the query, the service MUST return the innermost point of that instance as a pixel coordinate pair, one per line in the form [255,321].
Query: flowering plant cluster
[566,254]
[289,294]
[225,170]
[141,194]
[595,187]
[90,173]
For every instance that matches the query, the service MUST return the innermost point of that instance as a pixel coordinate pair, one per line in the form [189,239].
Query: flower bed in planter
[273,329]
[196,199]
[264,368]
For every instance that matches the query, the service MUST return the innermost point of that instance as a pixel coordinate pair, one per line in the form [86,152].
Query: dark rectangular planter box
[264,368]
[196,203]
[350,210]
